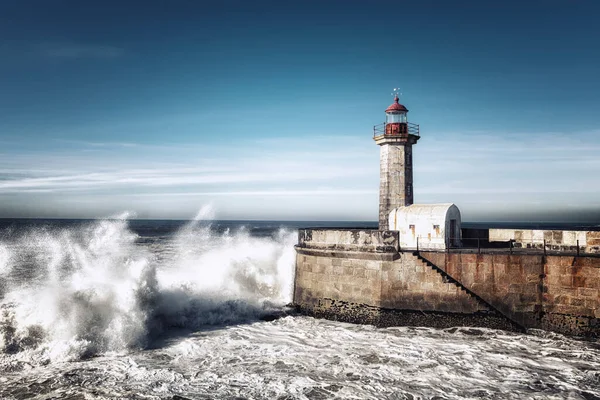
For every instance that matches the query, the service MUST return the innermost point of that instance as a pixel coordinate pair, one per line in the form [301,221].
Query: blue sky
[265,109]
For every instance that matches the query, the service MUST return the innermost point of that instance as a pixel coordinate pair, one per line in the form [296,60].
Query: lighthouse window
[396,117]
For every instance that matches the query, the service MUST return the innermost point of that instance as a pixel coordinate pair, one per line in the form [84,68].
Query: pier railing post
[417,244]
[577,247]
[478,246]
[544,246]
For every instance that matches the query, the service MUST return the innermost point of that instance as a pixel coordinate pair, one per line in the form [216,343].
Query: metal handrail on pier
[479,245]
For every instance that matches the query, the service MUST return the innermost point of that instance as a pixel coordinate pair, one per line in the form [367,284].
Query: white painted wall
[430,225]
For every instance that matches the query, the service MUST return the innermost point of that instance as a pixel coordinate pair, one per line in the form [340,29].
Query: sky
[265,109]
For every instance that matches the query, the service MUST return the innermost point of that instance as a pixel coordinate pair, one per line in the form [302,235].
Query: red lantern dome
[396,106]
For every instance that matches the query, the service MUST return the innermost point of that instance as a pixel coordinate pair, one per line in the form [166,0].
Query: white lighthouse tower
[395,137]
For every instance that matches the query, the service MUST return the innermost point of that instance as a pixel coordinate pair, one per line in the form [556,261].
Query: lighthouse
[395,137]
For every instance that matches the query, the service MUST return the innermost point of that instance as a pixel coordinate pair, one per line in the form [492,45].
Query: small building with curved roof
[427,226]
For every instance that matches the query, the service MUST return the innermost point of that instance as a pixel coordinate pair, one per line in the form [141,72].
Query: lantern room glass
[395,117]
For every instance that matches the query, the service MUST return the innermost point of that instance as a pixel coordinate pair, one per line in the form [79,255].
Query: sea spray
[223,278]
[95,288]
[84,293]
[5,261]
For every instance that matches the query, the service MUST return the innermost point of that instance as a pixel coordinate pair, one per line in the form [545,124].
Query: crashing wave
[77,292]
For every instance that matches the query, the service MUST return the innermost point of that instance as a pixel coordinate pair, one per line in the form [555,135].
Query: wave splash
[67,294]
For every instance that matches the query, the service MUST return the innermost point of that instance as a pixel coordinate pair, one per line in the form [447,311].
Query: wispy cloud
[329,175]
[148,177]
[264,193]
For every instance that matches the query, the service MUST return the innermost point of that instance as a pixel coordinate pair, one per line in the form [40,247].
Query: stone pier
[363,276]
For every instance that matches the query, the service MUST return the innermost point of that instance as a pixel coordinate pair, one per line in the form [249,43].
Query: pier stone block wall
[356,275]
[593,241]
[558,293]
[330,286]
[359,275]
[571,298]
[410,284]
[508,282]
[338,272]
[352,280]
[588,241]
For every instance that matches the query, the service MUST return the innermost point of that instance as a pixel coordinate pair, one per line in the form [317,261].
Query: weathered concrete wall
[558,293]
[588,241]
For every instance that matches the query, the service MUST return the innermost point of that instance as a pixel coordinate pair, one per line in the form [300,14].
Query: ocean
[134,309]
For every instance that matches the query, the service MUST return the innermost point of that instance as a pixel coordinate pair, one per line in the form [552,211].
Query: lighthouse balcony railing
[411,129]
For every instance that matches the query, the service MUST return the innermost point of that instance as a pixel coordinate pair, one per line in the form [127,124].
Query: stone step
[449,279]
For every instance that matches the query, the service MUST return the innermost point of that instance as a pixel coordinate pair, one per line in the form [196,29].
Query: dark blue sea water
[150,227]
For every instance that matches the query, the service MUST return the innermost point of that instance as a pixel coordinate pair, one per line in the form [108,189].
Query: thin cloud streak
[161,178]
[279,193]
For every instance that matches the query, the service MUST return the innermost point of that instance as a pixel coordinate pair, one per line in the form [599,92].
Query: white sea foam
[304,358]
